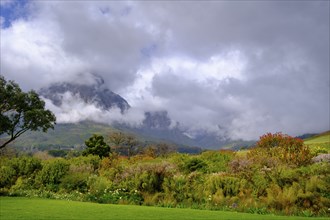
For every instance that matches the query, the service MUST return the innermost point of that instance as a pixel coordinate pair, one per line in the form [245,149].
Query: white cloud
[73,109]
[249,67]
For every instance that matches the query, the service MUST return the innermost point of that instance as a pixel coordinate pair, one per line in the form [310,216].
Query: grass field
[32,208]
[321,140]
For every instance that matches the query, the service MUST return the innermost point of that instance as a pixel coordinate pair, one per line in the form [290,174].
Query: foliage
[58,153]
[217,161]
[7,176]
[12,169]
[258,181]
[96,146]
[195,164]
[287,149]
[20,111]
[74,181]
[228,185]
[124,143]
[52,173]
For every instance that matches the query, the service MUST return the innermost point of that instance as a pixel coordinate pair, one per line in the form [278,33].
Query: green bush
[195,164]
[25,166]
[175,188]
[11,169]
[102,190]
[217,161]
[89,164]
[52,173]
[58,153]
[229,185]
[7,176]
[29,165]
[146,177]
[75,181]
[259,181]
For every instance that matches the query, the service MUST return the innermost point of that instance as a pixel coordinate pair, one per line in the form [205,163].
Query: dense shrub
[195,164]
[286,148]
[145,177]
[258,181]
[102,190]
[7,176]
[229,185]
[217,161]
[23,167]
[58,153]
[75,181]
[27,165]
[52,172]
[88,164]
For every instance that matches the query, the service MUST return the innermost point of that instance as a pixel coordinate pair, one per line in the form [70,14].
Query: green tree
[96,146]
[20,112]
[124,141]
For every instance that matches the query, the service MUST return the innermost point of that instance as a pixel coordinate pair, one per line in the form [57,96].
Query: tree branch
[6,143]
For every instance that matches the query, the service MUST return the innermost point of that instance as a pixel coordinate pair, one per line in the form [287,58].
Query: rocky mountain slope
[97,94]
[156,126]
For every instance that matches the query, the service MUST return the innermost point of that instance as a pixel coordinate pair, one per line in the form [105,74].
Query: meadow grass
[35,208]
[322,140]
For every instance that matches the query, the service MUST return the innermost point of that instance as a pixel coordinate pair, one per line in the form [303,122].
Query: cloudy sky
[240,67]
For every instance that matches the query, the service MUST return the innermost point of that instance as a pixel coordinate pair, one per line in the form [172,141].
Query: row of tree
[123,144]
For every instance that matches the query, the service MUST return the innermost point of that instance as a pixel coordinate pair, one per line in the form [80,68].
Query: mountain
[97,94]
[73,136]
[156,126]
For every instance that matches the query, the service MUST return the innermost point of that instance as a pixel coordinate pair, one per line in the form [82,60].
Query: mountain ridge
[156,125]
[96,94]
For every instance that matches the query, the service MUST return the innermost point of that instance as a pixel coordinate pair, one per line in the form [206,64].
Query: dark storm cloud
[105,38]
[247,66]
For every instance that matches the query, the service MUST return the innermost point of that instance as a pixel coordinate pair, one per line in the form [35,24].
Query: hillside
[73,136]
[63,136]
[320,140]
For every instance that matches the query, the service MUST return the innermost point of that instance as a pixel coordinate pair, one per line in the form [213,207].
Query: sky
[235,68]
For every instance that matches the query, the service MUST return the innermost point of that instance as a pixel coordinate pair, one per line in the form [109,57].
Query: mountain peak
[97,94]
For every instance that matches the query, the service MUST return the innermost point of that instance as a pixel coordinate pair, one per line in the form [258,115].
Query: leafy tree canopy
[21,111]
[96,146]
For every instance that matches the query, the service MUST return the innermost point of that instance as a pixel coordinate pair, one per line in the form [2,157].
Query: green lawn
[32,208]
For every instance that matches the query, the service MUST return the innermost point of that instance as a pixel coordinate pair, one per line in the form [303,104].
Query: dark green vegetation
[27,208]
[277,176]
[20,112]
[96,146]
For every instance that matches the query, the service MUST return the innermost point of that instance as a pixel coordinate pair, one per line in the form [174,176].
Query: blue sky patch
[12,11]
[148,50]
